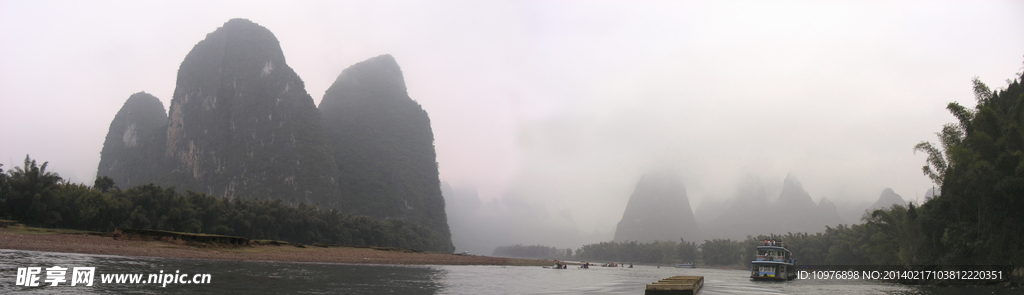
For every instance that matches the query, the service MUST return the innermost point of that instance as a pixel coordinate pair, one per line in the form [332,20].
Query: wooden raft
[677,285]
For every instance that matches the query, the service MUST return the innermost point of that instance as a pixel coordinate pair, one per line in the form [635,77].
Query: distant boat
[685,265]
[773,261]
[554,267]
[558,265]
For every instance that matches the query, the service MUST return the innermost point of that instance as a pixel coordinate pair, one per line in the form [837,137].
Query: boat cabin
[771,253]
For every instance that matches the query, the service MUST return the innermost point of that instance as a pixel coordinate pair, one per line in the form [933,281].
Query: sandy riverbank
[19,238]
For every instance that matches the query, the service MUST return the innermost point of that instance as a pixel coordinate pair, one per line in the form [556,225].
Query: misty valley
[244,152]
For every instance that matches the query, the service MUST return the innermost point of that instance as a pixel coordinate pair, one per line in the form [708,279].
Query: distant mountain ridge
[746,211]
[887,199]
[750,213]
[829,213]
[793,196]
[241,125]
[798,211]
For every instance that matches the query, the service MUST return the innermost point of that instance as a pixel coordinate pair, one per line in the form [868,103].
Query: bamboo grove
[36,197]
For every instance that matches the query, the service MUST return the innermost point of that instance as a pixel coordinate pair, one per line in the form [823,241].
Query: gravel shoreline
[94,244]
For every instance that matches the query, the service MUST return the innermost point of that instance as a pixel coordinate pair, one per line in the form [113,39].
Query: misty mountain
[931,193]
[798,211]
[746,213]
[750,213]
[793,197]
[658,209]
[383,146]
[887,199]
[462,207]
[133,151]
[480,225]
[853,212]
[708,209]
[828,213]
[242,124]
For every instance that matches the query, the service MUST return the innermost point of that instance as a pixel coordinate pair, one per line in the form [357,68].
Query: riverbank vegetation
[36,197]
[534,251]
[658,252]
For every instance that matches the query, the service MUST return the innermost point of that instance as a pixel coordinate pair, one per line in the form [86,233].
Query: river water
[303,278]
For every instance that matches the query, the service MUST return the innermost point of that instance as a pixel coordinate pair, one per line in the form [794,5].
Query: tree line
[533,251]
[888,236]
[664,252]
[37,197]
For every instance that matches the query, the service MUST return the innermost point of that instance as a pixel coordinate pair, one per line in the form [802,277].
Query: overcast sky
[561,105]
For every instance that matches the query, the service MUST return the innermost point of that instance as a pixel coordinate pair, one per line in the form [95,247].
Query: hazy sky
[559,105]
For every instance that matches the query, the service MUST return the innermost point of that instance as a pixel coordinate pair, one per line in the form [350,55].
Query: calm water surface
[296,278]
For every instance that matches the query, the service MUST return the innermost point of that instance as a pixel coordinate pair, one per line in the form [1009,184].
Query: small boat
[610,264]
[685,265]
[773,261]
[554,267]
[558,265]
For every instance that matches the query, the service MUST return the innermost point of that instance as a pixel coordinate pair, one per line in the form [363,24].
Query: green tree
[103,183]
[4,191]
[721,252]
[31,193]
[686,251]
[975,220]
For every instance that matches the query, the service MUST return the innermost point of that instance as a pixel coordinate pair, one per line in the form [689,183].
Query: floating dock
[677,285]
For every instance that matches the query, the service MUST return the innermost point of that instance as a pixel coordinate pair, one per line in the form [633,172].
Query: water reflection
[293,278]
[227,276]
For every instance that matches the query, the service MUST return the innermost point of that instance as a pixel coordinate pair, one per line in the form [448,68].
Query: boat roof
[772,248]
[770,262]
